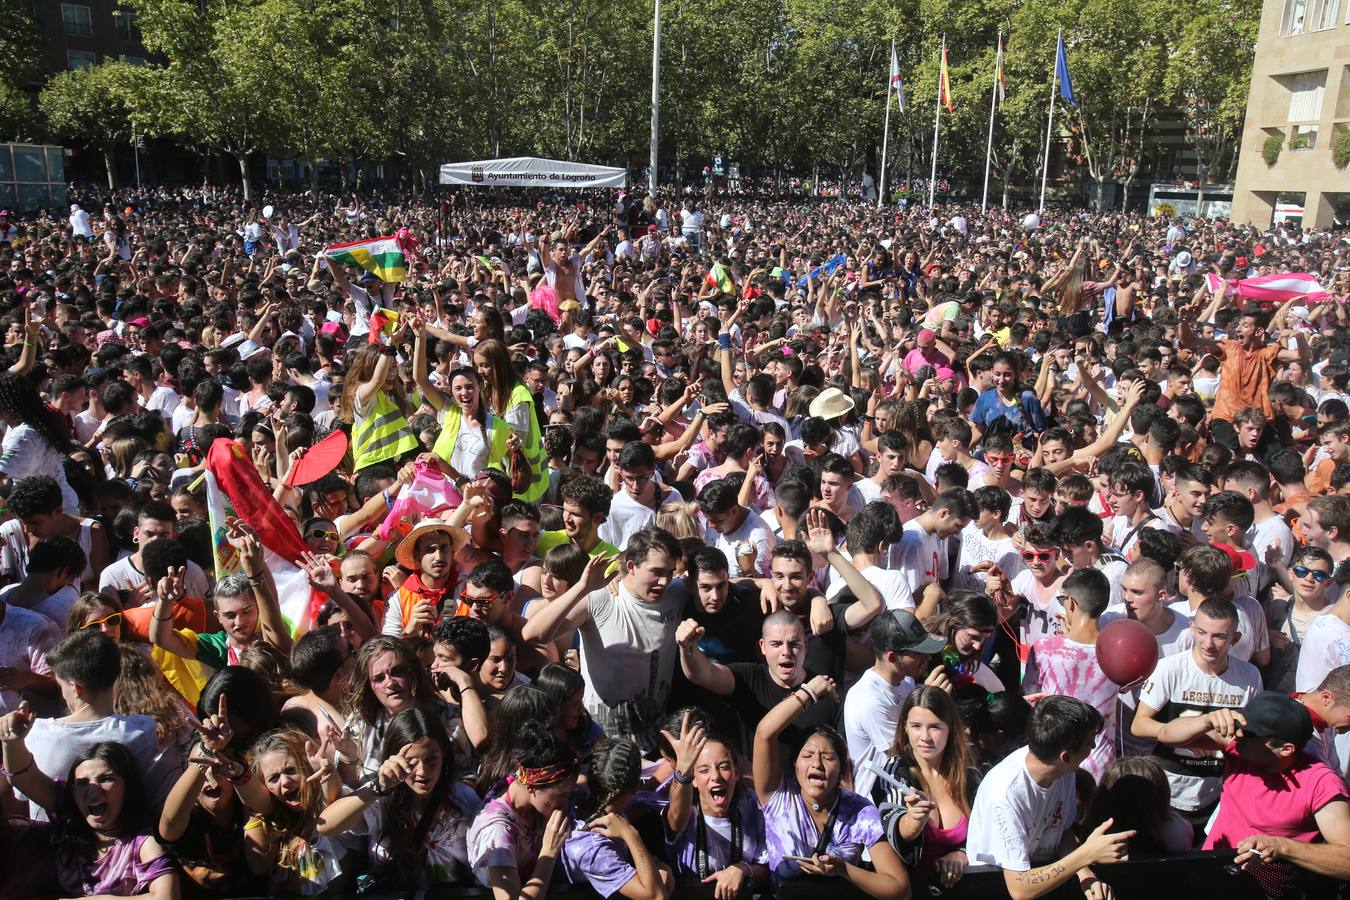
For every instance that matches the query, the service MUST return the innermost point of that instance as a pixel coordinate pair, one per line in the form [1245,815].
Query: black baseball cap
[898,631]
[1273,716]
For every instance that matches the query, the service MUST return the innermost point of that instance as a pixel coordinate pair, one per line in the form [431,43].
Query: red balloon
[1127,652]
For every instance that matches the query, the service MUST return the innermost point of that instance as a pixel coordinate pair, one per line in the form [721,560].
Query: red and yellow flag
[944,86]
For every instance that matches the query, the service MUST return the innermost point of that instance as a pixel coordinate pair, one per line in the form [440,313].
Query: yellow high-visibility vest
[383,435]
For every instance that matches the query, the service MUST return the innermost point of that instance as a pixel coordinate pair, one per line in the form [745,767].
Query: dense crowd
[681,540]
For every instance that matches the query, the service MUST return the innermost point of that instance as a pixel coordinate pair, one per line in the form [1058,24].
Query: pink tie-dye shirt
[1061,666]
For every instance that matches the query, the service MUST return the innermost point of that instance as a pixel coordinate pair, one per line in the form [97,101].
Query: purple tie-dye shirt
[791,832]
[682,848]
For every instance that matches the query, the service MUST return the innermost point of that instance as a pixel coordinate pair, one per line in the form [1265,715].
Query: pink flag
[1279,288]
[1272,288]
[429,494]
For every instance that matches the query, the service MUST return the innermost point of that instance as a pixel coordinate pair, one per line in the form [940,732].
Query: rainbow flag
[382,257]
[720,278]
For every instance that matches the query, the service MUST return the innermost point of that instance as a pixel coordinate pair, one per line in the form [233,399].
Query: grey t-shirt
[56,744]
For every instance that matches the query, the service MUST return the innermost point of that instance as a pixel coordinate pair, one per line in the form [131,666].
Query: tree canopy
[783,84]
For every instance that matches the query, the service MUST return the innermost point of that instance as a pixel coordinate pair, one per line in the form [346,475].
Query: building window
[80,59]
[1305,96]
[76,20]
[1323,14]
[127,29]
[1309,15]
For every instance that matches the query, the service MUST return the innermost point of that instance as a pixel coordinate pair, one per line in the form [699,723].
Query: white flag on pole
[896,82]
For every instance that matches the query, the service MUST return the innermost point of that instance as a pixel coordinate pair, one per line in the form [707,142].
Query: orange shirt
[1244,379]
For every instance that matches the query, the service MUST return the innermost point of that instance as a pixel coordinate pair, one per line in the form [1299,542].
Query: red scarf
[1319,723]
[414,584]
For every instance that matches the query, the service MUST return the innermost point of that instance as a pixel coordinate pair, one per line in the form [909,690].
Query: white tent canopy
[531,171]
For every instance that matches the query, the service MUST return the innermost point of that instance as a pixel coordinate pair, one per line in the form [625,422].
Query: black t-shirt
[731,635]
[756,693]
[826,653]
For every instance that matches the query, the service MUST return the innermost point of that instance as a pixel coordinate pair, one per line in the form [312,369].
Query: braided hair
[615,769]
[20,402]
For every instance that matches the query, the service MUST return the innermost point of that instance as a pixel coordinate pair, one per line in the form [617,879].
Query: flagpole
[989,146]
[937,121]
[1050,123]
[885,134]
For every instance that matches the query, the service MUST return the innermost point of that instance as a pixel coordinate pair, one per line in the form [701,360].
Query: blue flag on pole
[1062,73]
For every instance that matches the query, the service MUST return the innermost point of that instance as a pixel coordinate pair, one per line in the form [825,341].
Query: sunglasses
[111,621]
[480,602]
[998,460]
[321,534]
[1039,555]
[1317,574]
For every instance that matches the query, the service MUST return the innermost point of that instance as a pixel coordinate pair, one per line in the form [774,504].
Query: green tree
[20,66]
[96,106]
[1207,79]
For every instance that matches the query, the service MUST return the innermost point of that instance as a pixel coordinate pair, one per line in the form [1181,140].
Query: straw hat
[406,554]
[831,403]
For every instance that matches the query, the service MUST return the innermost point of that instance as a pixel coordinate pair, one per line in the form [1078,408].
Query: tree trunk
[110,164]
[244,180]
[314,176]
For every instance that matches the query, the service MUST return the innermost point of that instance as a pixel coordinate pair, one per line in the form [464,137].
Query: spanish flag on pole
[944,86]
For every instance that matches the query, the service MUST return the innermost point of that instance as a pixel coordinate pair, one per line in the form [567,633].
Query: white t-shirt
[123,576]
[55,607]
[24,452]
[1015,823]
[1178,688]
[163,400]
[919,555]
[55,745]
[25,638]
[1326,645]
[977,548]
[1270,532]
[872,713]
[1251,622]
[627,517]
[85,425]
[1044,613]
[893,586]
[1170,642]
[628,657]
[753,529]
[978,471]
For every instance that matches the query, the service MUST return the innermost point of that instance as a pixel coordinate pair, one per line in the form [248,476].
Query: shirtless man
[563,271]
